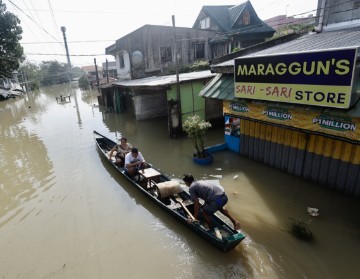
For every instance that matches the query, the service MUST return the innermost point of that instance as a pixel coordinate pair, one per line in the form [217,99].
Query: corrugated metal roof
[226,17]
[220,87]
[164,80]
[218,14]
[235,12]
[313,41]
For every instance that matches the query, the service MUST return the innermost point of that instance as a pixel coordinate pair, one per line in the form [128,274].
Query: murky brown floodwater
[65,213]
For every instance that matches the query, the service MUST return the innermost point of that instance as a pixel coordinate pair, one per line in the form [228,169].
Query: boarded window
[122,63]
[165,54]
[199,51]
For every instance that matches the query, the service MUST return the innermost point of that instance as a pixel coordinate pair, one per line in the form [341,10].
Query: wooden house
[237,27]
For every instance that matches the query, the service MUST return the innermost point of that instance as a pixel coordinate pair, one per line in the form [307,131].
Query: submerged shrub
[300,230]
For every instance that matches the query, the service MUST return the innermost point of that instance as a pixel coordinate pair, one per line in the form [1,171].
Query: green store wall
[191,102]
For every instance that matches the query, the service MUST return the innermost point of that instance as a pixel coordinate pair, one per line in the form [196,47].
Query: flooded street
[66,213]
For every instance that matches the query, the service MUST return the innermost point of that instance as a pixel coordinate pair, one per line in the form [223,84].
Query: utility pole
[107,71]
[97,76]
[179,128]
[63,30]
[176,61]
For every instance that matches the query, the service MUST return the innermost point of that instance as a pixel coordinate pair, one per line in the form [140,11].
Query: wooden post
[107,71]
[97,76]
[178,96]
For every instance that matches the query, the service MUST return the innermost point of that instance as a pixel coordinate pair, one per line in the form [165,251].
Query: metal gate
[328,161]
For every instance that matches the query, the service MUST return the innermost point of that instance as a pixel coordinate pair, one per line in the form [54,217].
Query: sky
[91,25]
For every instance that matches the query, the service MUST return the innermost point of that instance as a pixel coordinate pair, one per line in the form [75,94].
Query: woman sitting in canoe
[122,148]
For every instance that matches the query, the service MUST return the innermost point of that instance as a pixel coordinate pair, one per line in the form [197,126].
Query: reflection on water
[59,197]
[25,167]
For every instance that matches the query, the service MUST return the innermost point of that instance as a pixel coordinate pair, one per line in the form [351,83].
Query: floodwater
[65,213]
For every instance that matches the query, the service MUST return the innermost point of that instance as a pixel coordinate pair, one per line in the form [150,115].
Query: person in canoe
[214,198]
[122,148]
[134,161]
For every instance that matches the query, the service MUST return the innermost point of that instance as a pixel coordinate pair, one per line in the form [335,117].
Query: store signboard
[324,78]
[316,119]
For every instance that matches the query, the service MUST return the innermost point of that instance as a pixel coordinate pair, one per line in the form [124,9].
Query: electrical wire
[34,21]
[38,18]
[54,20]
[60,54]
[295,20]
[69,42]
[56,41]
[201,38]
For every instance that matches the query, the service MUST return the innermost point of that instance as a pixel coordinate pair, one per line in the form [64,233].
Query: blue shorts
[215,205]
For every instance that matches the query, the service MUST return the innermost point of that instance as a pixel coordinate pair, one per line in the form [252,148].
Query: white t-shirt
[129,159]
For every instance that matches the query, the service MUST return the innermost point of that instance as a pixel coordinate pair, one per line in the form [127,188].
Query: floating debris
[216,175]
[313,211]
[236,177]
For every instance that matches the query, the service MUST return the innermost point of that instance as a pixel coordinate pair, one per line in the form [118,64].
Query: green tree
[53,72]
[11,52]
[76,72]
[30,74]
[84,83]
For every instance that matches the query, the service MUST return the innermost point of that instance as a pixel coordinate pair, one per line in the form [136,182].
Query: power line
[273,2]
[26,23]
[71,42]
[37,23]
[34,21]
[59,54]
[54,20]
[204,37]
[35,12]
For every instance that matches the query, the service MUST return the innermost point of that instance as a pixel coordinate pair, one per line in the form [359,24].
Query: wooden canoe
[177,203]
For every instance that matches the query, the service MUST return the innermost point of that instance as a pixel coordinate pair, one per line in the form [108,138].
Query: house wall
[219,50]
[143,48]
[149,104]
[339,11]
[124,73]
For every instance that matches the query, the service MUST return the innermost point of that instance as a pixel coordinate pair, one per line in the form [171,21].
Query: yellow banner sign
[310,119]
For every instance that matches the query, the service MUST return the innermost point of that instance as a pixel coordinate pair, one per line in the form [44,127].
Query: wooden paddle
[185,208]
